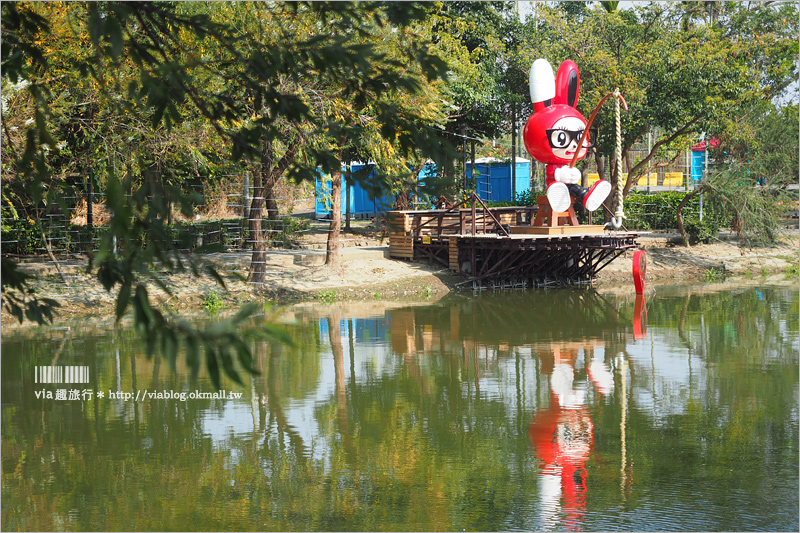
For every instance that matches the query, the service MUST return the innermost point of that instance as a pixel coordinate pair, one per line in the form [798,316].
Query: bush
[522,198]
[21,237]
[701,231]
[213,303]
[658,212]
[286,232]
[654,211]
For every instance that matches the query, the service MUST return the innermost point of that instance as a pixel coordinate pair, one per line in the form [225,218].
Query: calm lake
[534,410]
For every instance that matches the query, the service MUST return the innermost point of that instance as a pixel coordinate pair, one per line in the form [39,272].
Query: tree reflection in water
[489,412]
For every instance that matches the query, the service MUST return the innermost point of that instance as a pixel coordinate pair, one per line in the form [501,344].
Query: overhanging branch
[632,173]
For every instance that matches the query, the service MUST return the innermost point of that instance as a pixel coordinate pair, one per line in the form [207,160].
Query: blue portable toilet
[699,158]
[362,203]
[698,164]
[493,178]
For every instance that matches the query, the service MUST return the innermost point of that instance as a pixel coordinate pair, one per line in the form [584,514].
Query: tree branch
[632,173]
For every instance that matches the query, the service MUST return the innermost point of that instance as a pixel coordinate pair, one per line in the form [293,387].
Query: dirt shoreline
[368,274]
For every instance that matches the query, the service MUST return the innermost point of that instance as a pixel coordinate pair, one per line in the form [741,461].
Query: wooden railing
[475,220]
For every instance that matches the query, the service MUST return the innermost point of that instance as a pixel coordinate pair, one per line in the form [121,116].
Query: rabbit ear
[568,83]
[542,85]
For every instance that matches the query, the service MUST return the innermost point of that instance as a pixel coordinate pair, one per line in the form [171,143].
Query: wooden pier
[501,248]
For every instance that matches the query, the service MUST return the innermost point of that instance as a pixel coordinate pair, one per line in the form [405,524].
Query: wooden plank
[452,249]
[398,221]
[401,247]
[557,230]
[507,218]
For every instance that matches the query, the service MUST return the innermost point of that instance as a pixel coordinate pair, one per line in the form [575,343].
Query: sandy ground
[368,273]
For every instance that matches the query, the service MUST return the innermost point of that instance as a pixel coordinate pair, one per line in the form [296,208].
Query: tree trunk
[679,214]
[258,261]
[601,165]
[263,184]
[332,258]
[347,186]
[269,199]
[335,337]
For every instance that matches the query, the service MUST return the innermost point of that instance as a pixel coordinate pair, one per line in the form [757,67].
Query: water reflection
[562,433]
[530,410]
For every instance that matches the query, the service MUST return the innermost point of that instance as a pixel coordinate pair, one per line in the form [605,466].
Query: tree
[678,81]
[369,122]
[759,148]
[172,83]
[392,121]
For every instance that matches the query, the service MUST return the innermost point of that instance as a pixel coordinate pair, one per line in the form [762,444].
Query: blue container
[493,178]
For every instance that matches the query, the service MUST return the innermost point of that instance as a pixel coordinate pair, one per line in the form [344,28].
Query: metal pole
[472,159]
[513,153]
[688,168]
[90,202]
[649,148]
[347,188]
[464,152]
[246,196]
[705,174]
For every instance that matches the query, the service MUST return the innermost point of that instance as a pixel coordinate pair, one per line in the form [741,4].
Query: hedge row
[658,211]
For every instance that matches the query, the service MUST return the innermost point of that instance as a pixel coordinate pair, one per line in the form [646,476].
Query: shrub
[286,232]
[715,275]
[701,231]
[213,303]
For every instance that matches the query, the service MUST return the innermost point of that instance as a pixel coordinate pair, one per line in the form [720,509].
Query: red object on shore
[701,146]
[639,270]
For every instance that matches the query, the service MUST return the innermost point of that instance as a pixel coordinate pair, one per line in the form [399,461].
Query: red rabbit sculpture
[553,132]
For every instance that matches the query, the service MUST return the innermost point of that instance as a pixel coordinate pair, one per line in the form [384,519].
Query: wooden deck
[499,248]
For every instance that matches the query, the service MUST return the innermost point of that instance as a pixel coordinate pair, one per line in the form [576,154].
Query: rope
[616,220]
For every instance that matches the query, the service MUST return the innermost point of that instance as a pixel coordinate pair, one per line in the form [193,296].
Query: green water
[537,410]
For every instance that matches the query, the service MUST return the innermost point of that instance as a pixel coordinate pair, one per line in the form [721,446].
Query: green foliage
[715,275]
[658,211]
[522,198]
[652,211]
[19,298]
[471,35]
[327,296]
[286,232]
[212,303]
[699,231]
[754,213]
